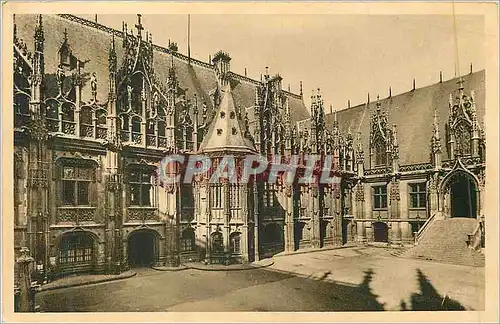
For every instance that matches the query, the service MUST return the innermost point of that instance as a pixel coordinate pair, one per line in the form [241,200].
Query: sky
[345,56]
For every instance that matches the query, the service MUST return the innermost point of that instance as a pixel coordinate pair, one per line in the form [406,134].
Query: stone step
[445,241]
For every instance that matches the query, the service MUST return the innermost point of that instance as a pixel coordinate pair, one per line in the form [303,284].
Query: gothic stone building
[97,109]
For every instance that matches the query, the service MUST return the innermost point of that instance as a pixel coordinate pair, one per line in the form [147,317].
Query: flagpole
[188,38]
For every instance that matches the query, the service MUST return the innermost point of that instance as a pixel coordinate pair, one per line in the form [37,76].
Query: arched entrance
[462,196]
[380,232]
[142,248]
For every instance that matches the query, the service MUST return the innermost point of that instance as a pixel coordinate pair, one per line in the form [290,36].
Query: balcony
[142,214]
[76,214]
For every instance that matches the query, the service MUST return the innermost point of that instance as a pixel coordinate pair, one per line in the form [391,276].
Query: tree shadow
[429,298]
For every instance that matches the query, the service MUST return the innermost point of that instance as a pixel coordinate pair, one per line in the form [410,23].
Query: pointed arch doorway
[461,195]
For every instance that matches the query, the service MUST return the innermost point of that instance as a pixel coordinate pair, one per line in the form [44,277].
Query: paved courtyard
[350,279]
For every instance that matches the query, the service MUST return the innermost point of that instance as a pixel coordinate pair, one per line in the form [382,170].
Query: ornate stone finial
[195,105]
[359,148]
[39,36]
[15,27]
[440,76]
[112,56]
[394,136]
[348,103]
[390,91]
[436,124]
[460,83]
[378,103]
[414,84]
[300,85]
[436,138]
[368,98]
[139,26]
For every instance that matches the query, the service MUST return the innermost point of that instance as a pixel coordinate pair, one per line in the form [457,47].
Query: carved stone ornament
[37,130]
[395,190]
[360,193]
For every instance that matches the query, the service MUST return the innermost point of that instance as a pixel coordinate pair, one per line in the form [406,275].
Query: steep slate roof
[91,41]
[226,133]
[413,114]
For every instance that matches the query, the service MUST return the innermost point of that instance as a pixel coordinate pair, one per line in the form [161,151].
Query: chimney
[440,76]
[413,84]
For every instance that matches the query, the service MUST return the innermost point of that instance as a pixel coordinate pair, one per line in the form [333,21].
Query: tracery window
[463,139]
[140,187]
[216,195]
[76,185]
[235,242]
[380,153]
[188,240]
[75,248]
[187,202]
[269,195]
[234,196]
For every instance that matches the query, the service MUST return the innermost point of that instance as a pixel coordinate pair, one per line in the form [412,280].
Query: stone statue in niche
[60,75]
[93,85]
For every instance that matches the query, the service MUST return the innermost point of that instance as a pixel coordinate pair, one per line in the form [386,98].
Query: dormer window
[66,58]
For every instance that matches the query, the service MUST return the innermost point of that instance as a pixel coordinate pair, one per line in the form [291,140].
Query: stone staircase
[446,241]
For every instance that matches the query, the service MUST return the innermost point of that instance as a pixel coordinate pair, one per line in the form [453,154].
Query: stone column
[256,219]
[361,239]
[369,232]
[289,221]
[227,216]
[244,215]
[315,217]
[406,235]
[395,233]
[337,213]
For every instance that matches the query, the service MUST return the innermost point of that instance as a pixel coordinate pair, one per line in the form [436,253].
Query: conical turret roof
[226,133]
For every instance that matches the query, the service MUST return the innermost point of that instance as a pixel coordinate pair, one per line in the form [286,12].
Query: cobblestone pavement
[352,279]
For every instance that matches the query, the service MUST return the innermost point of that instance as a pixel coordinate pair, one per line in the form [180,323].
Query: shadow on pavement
[260,290]
[429,299]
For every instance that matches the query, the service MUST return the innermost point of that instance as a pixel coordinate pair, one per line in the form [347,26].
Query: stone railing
[475,241]
[142,214]
[76,214]
[424,229]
